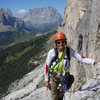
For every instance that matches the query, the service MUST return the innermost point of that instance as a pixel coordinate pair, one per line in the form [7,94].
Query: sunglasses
[61,42]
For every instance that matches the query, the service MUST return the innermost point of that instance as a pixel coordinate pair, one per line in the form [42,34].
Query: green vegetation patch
[14,60]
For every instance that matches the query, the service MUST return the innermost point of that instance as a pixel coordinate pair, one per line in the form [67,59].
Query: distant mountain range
[37,20]
[34,20]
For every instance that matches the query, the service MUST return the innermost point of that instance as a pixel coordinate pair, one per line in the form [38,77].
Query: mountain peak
[44,15]
[7,19]
[6,11]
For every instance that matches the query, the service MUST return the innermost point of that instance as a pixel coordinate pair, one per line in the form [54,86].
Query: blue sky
[15,5]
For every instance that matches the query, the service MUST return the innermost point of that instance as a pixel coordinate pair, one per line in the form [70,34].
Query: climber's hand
[47,84]
[96,61]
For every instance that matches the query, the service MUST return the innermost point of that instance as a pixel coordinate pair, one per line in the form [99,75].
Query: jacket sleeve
[47,64]
[81,58]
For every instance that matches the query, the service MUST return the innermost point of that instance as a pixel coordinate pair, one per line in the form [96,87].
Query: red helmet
[59,36]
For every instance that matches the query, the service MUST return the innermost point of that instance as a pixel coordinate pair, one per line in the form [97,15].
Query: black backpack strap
[56,55]
[55,58]
[68,52]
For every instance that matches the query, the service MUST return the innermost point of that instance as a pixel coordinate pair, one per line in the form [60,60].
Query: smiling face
[61,45]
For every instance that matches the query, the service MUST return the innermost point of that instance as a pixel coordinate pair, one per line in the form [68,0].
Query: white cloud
[22,11]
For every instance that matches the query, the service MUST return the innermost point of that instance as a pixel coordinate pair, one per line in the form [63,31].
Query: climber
[58,64]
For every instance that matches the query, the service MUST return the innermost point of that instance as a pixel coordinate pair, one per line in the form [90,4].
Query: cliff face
[82,27]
